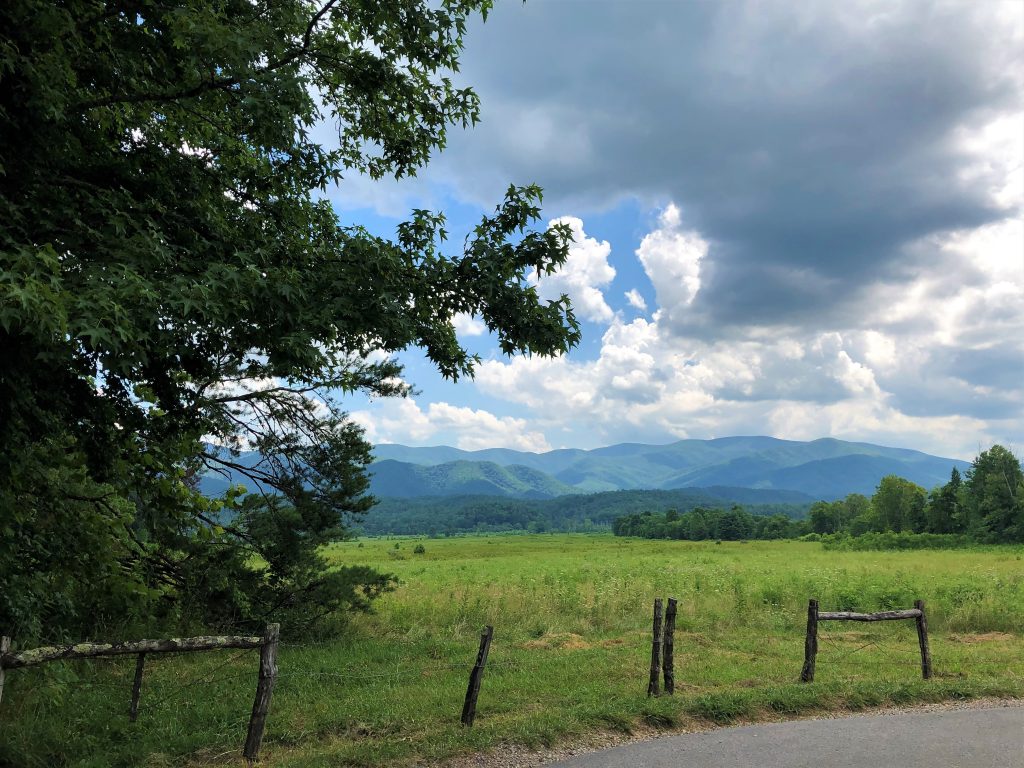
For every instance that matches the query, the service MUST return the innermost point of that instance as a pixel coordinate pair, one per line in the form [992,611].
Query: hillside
[454,478]
[825,468]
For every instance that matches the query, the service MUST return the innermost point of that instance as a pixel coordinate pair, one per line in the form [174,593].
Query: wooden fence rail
[141,648]
[814,616]
[35,656]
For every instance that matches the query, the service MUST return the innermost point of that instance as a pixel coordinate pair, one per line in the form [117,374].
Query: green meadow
[571,649]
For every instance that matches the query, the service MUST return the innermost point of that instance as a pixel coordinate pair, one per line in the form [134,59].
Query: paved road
[967,738]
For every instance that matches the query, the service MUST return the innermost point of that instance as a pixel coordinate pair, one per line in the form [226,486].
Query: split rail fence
[267,675]
[663,641]
[662,659]
[814,616]
[142,648]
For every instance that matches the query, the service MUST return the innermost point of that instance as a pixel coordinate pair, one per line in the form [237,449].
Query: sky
[800,219]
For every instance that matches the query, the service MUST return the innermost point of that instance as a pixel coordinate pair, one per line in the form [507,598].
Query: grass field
[570,653]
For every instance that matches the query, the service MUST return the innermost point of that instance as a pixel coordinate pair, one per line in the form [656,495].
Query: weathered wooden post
[476,675]
[5,646]
[668,657]
[133,710]
[810,643]
[264,691]
[922,639]
[653,684]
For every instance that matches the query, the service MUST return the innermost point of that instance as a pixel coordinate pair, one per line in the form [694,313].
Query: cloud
[583,275]
[467,325]
[840,245]
[672,258]
[401,420]
[636,300]
[938,367]
[808,143]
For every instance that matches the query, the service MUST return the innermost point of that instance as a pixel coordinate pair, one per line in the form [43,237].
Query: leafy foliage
[993,496]
[735,524]
[988,508]
[173,288]
[582,513]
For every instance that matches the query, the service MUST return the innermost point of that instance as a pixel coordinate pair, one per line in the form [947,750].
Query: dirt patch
[562,641]
[985,637]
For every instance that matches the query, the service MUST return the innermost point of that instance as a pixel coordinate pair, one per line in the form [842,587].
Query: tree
[826,517]
[735,524]
[899,504]
[944,506]
[993,494]
[774,527]
[173,288]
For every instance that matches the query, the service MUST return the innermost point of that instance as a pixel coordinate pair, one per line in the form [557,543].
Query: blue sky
[815,208]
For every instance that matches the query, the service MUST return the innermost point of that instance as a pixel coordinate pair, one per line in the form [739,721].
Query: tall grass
[571,617]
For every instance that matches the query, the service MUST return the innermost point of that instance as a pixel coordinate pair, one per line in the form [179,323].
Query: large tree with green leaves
[994,495]
[899,505]
[173,287]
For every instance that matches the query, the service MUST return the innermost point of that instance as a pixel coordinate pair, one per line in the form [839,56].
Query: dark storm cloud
[808,142]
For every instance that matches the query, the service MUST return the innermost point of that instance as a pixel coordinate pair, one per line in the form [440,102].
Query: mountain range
[821,469]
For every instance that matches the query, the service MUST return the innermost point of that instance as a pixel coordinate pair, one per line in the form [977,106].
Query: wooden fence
[141,648]
[663,648]
[814,616]
[662,658]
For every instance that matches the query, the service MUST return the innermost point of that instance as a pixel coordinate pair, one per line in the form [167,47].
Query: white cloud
[477,429]
[583,275]
[401,420]
[467,325]
[912,370]
[395,420]
[828,272]
[636,300]
[671,257]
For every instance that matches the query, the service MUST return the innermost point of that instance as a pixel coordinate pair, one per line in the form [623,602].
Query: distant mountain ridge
[458,478]
[826,468]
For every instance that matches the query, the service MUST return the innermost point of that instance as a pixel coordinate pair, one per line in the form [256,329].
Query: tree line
[582,513]
[985,505]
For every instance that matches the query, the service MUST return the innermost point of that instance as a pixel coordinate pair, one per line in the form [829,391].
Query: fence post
[652,685]
[264,691]
[133,710]
[810,643]
[922,639]
[5,646]
[476,675]
[668,657]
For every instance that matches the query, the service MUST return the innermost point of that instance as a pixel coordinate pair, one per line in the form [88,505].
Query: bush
[419,549]
[890,540]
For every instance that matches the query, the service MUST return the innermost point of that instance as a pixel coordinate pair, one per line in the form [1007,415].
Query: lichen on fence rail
[92,650]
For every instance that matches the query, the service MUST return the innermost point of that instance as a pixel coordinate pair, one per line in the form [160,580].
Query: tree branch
[214,83]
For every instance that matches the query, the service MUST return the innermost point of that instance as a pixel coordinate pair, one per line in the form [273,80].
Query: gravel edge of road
[518,756]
